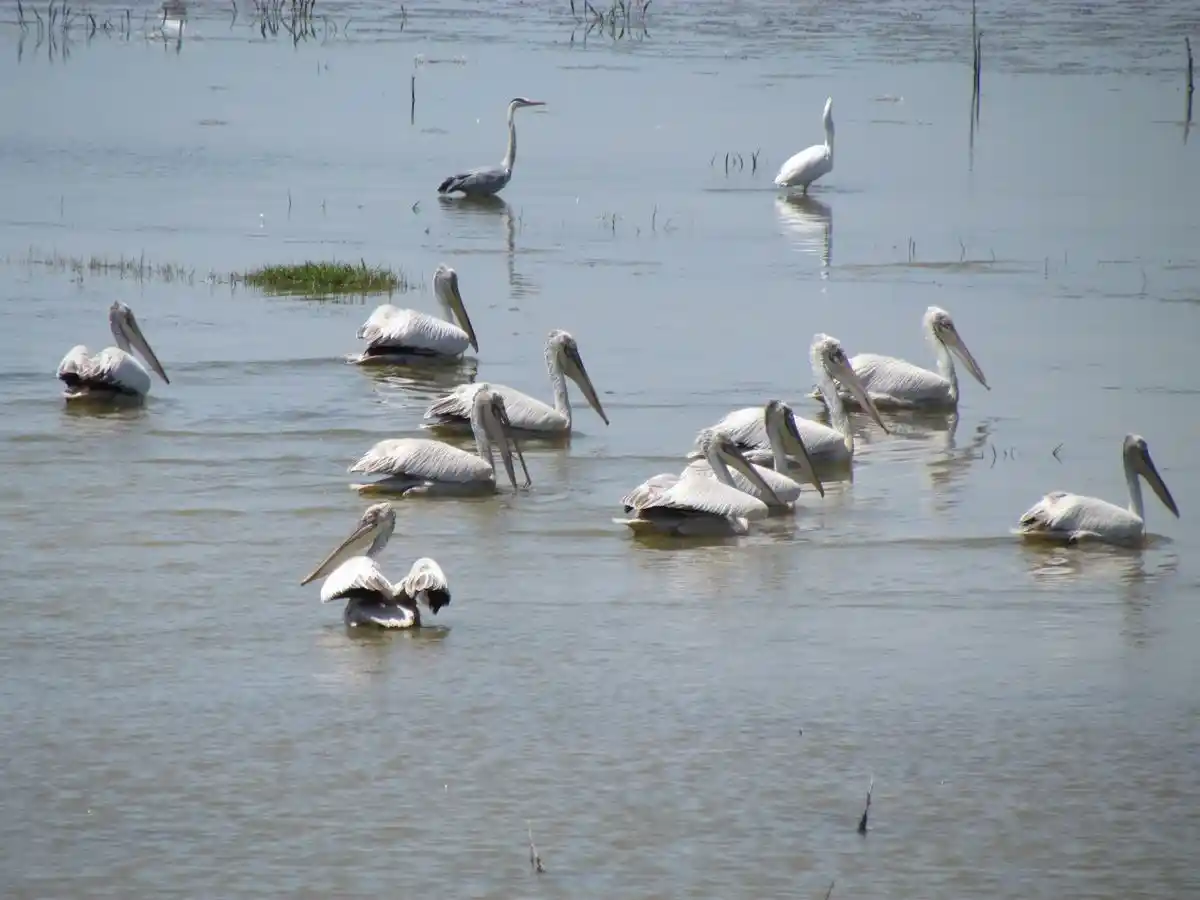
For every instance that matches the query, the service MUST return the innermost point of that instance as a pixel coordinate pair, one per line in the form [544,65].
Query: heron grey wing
[420,458]
[697,492]
[483,180]
[359,573]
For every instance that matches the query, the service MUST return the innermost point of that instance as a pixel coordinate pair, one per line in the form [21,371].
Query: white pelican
[1071,518]
[113,373]
[826,446]
[391,332]
[487,181]
[451,412]
[694,503]
[423,466]
[808,165]
[783,438]
[372,600]
[895,384]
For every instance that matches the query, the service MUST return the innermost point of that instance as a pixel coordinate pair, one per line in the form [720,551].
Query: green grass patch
[318,278]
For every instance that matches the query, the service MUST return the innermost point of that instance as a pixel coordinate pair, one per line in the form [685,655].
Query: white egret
[808,165]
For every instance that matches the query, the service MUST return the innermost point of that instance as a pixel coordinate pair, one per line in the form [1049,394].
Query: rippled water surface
[181,718]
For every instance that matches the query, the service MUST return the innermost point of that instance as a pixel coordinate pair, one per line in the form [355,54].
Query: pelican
[827,447]
[113,373]
[1071,518]
[371,600]
[779,425]
[808,165]
[391,332]
[695,503]
[526,414]
[423,466]
[487,181]
[895,384]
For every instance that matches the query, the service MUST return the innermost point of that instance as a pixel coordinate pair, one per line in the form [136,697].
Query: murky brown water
[181,718]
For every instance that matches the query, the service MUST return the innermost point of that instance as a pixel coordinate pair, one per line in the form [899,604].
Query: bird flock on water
[751,464]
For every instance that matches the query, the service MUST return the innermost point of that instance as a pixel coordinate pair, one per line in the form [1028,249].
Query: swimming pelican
[372,600]
[450,413]
[808,165]
[895,384]
[695,504]
[1071,518]
[423,466]
[779,425]
[391,332]
[828,447]
[113,373]
[487,181]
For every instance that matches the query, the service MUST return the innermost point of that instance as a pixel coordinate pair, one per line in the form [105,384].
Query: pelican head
[719,449]
[376,524]
[445,288]
[519,102]
[1138,462]
[781,421]
[941,326]
[566,352]
[831,356]
[488,409]
[128,334]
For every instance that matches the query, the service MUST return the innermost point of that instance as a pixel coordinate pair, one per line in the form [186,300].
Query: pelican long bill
[580,376]
[362,530]
[799,452]
[958,347]
[446,280]
[133,332]
[735,458]
[1145,465]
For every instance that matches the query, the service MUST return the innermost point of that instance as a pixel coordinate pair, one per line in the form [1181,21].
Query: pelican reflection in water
[526,414]
[896,384]
[113,374]
[423,466]
[1071,518]
[372,600]
[808,223]
[393,334]
[695,504]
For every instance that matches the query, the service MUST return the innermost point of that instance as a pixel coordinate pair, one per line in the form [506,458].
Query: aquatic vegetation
[326,278]
[121,267]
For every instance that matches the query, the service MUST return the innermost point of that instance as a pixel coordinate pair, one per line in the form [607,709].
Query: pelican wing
[426,579]
[389,327]
[805,167]
[648,489]
[422,459]
[786,489]
[75,365]
[112,369]
[696,493]
[359,573]
[895,379]
[748,428]
[1063,516]
[524,412]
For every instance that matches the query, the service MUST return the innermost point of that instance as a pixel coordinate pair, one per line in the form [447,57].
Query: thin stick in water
[829,892]
[862,823]
[535,861]
[412,109]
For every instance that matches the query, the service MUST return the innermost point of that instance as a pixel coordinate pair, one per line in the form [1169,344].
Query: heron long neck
[945,364]
[510,156]
[1135,490]
[833,400]
[558,379]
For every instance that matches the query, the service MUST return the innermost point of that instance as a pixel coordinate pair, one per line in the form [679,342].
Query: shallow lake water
[670,719]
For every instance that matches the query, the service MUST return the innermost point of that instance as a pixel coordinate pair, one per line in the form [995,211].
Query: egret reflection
[808,225]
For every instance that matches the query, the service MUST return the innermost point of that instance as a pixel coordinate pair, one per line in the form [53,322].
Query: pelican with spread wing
[694,503]
[423,466]
[1071,518]
[529,416]
[896,384]
[372,600]
[114,373]
[827,447]
[783,440]
[487,181]
[394,334]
